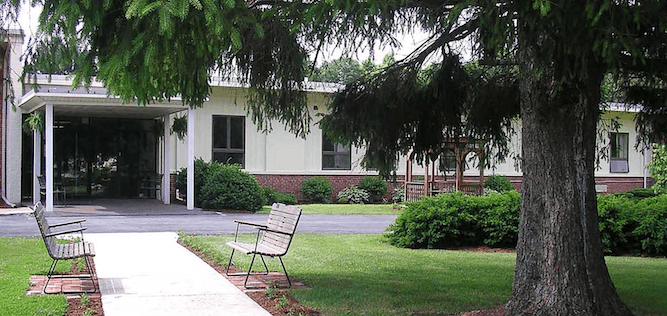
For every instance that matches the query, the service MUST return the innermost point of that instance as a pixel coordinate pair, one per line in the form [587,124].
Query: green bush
[375,186]
[651,218]
[498,183]
[499,218]
[640,193]
[270,196]
[627,224]
[316,190]
[456,219]
[614,222]
[399,195]
[202,171]
[229,187]
[353,195]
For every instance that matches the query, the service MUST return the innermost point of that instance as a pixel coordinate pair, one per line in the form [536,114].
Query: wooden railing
[415,190]
[471,188]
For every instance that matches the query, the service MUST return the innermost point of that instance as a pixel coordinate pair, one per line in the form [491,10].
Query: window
[229,139]
[619,152]
[335,156]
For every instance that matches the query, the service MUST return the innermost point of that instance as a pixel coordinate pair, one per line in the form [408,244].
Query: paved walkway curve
[151,274]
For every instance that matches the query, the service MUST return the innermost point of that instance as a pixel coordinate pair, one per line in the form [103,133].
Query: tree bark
[560,268]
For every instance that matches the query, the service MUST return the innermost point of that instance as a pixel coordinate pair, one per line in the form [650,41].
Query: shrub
[375,186]
[640,193]
[498,183]
[316,190]
[229,187]
[353,195]
[202,171]
[614,223]
[270,196]
[499,218]
[629,224]
[435,222]
[399,195]
[456,219]
[651,218]
[286,198]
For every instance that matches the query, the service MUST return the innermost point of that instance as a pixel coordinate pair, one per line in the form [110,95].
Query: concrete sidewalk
[150,274]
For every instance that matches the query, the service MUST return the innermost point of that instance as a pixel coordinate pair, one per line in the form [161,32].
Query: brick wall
[292,183]
[615,185]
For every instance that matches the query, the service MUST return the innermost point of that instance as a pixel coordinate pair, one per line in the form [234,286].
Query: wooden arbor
[433,184]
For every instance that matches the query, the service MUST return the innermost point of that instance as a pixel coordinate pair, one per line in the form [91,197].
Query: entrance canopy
[93,102]
[55,96]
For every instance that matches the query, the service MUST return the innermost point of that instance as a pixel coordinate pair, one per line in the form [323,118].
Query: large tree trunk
[560,267]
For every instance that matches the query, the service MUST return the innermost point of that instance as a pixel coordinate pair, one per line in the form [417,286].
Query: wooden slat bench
[273,239]
[64,250]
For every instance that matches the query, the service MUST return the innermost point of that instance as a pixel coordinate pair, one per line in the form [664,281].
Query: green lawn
[345,209]
[363,275]
[20,258]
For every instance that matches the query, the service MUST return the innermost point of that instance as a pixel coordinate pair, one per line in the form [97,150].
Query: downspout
[645,167]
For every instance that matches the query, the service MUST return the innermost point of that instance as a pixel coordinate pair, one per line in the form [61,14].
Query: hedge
[228,187]
[316,190]
[271,195]
[629,223]
[456,219]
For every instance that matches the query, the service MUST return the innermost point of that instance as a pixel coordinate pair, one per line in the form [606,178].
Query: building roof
[95,101]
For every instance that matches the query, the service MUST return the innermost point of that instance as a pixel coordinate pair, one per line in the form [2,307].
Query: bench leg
[93,274]
[245,284]
[230,262]
[287,276]
[54,263]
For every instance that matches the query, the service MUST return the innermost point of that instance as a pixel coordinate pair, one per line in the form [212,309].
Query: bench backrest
[44,228]
[282,218]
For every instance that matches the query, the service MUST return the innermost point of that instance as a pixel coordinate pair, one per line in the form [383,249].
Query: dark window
[229,139]
[335,156]
[619,152]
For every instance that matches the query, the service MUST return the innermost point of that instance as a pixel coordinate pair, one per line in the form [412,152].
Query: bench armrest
[277,231]
[64,232]
[68,223]
[250,224]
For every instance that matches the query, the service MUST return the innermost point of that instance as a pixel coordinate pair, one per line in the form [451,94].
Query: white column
[191,159]
[166,178]
[48,130]
[36,165]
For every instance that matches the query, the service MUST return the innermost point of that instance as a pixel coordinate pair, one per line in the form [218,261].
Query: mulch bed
[76,308]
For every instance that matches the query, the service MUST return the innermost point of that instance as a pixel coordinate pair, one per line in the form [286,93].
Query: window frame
[614,152]
[228,141]
[336,153]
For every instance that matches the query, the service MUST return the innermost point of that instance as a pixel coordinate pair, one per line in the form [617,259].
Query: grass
[362,275]
[20,258]
[345,209]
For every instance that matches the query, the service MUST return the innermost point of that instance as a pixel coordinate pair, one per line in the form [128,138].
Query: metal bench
[273,239]
[63,249]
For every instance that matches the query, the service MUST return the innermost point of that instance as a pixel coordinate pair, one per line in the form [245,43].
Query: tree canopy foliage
[542,59]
